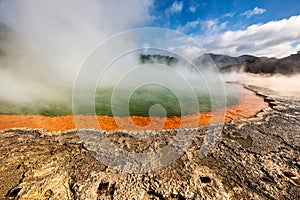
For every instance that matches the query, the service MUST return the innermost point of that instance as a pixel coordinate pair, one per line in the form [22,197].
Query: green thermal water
[139,104]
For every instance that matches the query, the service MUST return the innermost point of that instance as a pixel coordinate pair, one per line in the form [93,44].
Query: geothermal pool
[140,102]
[55,116]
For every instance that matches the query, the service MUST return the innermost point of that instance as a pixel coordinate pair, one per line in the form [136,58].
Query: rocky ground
[258,158]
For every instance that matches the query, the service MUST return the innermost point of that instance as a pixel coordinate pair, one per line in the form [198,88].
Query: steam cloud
[50,39]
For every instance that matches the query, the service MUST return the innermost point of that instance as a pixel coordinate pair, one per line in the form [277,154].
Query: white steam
[53,37]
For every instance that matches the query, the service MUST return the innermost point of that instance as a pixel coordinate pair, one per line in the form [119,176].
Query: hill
[247,63]
[287,66]
[224,62]
[257,65]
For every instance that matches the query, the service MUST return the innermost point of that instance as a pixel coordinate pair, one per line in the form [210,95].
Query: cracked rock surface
[257,158]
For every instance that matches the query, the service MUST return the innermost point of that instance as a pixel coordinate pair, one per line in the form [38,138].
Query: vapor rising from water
[288,86]
[51,38]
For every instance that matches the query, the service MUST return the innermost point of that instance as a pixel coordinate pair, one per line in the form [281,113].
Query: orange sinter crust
[247,107]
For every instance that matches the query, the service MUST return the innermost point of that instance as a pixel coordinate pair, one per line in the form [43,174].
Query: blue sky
[233,27]
[230,11]
[209,22]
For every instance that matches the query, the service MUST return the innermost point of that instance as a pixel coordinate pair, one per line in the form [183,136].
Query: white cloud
[189,25]
[188,51]
[176,7]
[193,9]
[212,26]
[275,38]
[255,11]
[231,14]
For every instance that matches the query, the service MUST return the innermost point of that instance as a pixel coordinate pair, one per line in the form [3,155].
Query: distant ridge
[288,66]
[222,61]
[259,65]
[246,63]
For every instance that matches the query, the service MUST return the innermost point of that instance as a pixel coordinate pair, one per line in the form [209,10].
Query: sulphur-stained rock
[258,158]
